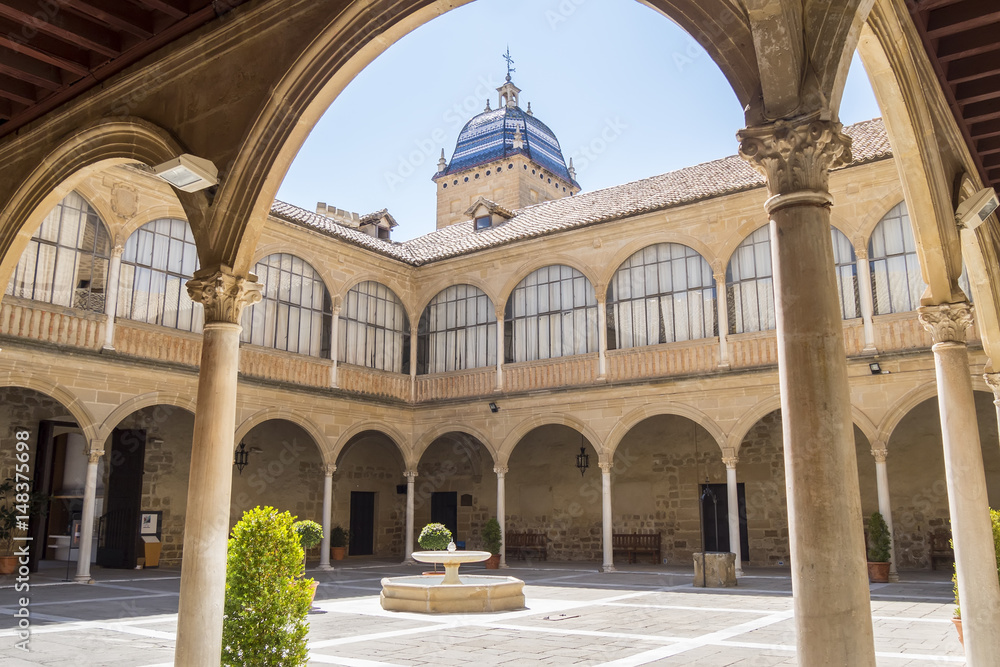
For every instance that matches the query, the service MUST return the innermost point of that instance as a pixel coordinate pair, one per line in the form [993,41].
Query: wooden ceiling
[962,39]
[53,50]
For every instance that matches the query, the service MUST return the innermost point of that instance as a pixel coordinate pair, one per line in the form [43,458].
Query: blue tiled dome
[490,136]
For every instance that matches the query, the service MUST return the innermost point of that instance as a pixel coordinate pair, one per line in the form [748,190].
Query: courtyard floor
[641,615]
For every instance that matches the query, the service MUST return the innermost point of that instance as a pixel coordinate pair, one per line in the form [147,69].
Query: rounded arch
[667,236]
[76,407]
[540,262]
[741,234]
[175,399]
[101,144]
[374,277]
[753,415]
[435,288]
[101,206]
[148,215]
[902,407]
[391,432]
[878,211]
[632,419]
[559,419]
[864,424]
[428,438]
[301,421]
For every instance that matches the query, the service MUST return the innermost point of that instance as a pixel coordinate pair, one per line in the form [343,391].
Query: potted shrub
[957,618]
[13,505]
[339,539]
[879,549]
[492,539]
[267,598]
[310,534]
[434,537]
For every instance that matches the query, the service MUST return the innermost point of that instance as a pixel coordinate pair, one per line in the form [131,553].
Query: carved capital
[880,455]
[501,470]
[947,322]
[993,380]
[860,247]
[606,466]
[338,303]
[500,312]
[410,475]
[730,461]
[94,455]
[117,251]
[329,469]
[223,294]
[795,157]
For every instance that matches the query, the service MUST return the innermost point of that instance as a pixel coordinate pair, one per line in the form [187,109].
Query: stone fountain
[448,593]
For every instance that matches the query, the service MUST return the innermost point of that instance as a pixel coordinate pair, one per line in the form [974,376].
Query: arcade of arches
[684,332]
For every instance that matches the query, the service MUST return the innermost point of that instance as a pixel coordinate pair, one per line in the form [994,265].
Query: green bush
[492,536]
[339,537]
[310,533]
[879,545]
[266,597]
[434,537]
[995,518]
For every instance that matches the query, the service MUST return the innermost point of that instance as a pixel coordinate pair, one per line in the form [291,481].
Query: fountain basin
[451,559]
[475,593]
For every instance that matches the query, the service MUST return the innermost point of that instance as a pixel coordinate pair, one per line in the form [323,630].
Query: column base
[869,350]
[324,568]
[724,366]
[109,348]
[504,566]
[83,579]
[894,577]
[608,568]
[739,573]
[408,561]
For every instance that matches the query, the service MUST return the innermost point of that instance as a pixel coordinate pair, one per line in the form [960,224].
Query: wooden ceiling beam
[63,26]
[987,146]
[990,128]
[981,111]
[18,91]
[165,8]
[45,49]
[116,15]
[975,67]
[978,90]
[968,43]
[30,70]
[961,17]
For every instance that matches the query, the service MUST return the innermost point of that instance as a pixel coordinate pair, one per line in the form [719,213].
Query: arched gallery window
[457,330]
[749,285]
[66,261]
[551,313]
[845,263]
[295,312]
[664,293]
[892,255]
[158,260]
[374,329]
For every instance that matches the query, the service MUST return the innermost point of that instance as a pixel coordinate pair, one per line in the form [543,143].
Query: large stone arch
[148,215]
[430,291]
[376,277]
[80,155]
[428,438]
[626,423]
[76,407]
[306,424]
[877,212]
[175,399]
[303,252]
[540,262]
[528,425]
[398,439]
[733,242]
[677,238]
[901,408]
[739,431]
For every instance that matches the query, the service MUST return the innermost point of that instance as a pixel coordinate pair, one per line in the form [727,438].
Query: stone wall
[762,470]
[372,463]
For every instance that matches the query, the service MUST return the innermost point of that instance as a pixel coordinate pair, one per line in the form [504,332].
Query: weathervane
[510,61]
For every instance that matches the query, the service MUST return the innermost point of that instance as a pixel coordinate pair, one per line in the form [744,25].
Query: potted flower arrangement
[434,537]
[957,618]
[879,549]
[492,539]
[310,534]
[12,506]
[339,539]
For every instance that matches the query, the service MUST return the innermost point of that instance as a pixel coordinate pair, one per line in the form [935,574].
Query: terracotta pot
[493,562]
[958,626]
[338,553]
[315,585]
[878,573]
[8,564]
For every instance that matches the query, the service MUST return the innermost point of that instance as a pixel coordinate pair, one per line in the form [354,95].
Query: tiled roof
[675,188]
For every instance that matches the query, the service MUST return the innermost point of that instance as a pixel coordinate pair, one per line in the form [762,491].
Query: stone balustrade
[545,373]
[149,341]
[697,356]
[51,324]
[262,362]
[374,382]
[457,384]
[748,350]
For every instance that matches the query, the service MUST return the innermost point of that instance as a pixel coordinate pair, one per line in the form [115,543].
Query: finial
[529,112]
[442,163]
[510,62]
[571,170]
[487,106]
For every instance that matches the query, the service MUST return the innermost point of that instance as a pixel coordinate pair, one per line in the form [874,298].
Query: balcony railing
[456,384]
[693,356]
[262,362]
[51,324]
[546,373]
[149,341]
[373,382]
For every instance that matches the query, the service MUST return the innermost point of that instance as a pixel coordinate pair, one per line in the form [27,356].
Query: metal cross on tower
[510,61]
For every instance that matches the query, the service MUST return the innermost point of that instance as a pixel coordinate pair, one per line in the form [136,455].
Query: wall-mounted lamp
[188,173]
[973,211]
[582,461]
[494,407]
[875,368]
[242,457]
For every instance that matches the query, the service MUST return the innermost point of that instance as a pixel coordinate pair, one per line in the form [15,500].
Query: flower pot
[338,553]
[958,626]
[493,562]
[878,573]
[8,564]
[315,585]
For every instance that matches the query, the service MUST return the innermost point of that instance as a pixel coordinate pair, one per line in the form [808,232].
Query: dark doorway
[119,527]
[715,518]
[444,509]
[362,523]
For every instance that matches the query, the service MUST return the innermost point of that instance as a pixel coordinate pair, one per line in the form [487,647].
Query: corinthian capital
[946,322]
[879,454]
[223,293]
[796,156]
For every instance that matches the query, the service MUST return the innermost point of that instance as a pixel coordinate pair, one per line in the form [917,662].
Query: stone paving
[575,616]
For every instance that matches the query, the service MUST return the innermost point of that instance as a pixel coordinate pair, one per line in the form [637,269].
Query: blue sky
[627,92]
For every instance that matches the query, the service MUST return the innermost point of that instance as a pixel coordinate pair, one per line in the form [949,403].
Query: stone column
[829,574]
[972,532]
[865,292]
[884,506]
[602,330]
[411,475]
[334,339]
[324,546]
[500,349]
[111,295]
[993,380]
[501,472]
[722,303]
[413,361]
[87,516]
[733,498]
[608,525]
[206,523]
